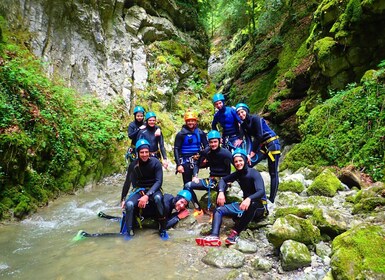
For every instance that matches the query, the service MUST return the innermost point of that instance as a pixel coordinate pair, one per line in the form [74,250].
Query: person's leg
[188,173]
[130,205]
[274,177]
[158,199]
[191,186]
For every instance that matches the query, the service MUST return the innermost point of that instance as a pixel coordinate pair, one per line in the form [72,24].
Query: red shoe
[232,238]
[209,241]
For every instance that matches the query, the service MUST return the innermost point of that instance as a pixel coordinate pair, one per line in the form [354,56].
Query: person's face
[144,154]
[151,121]
[242,114]
[218,105]
[214,144]
[239,163]
[191,124]
[139,116]
[181,204]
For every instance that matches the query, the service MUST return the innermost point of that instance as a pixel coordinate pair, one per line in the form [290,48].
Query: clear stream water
[41,246]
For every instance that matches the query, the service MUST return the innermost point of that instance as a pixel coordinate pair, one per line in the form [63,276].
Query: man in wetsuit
[147,179]
[187,145]
[219,162]
[265,144]
[253,204]
[155,139]
[133,130]
[232,136]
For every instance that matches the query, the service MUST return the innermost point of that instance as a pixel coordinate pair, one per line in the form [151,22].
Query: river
[41,246]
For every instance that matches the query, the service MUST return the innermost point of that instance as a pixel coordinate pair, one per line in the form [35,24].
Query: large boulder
[359,253]
[228,257]
[294,255]
[326,184]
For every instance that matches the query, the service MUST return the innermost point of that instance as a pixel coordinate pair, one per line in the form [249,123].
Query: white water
[41,246]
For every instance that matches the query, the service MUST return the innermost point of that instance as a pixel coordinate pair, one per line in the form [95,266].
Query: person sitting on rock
[253,204]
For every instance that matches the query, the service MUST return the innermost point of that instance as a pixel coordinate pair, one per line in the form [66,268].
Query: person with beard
[218,160]
[232,136]
[187,145]
[133,130]
[147,179]
[154,137]
[253,204]
[265,144]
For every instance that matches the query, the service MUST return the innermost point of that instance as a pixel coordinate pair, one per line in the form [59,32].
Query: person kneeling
[253,204]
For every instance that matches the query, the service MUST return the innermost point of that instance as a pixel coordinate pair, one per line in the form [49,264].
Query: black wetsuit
[133,130]
[156,142]
[169,210]
[146,176]
[265,145]
[252,186]
[219,161]
[187,144]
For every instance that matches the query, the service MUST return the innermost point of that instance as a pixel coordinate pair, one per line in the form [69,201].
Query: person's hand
[165,163]
[143,201]
[249,157]
[123,204]
[195,180]
[180,169]
[245,204]
[157,132]
[142,126]
[221,200]
[238,142]
[183,214]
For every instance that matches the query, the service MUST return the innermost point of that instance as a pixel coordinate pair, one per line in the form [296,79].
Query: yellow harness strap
[271,154]
[270,140]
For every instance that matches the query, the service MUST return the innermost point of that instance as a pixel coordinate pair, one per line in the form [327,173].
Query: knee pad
[129,206]
[187,186]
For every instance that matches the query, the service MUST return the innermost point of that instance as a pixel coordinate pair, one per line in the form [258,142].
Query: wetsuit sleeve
[177,146]
[222,185]
[158,177]
[161,147]
[202,156]
[259,187]
[237,122]
[127,182]
[172,221]
[203,138]
[214,123]
[132,131]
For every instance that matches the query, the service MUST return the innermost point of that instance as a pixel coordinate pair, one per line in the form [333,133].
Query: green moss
[302,212]
[359,252]
[322,48]
[291,186]
[326,184]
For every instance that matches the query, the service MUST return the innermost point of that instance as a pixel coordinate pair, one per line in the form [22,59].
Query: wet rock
[262,264]
[246,246]
[294,228]
[323,249]
[294,255]
[222,258]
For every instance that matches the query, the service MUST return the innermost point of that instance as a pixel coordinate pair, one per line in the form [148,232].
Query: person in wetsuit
[133,130]
[265,144]
[154,136]
[187,145]
[232,136]
[253,204]
[147,179]
[218,160]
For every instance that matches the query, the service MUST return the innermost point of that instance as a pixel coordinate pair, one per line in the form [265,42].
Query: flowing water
[41,246]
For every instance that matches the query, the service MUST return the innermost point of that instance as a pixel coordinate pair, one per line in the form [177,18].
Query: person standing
[265,144]
[133,130]
[252,206]
[187,145]
[218,160]
[147,179]
[154,136]
[232,136]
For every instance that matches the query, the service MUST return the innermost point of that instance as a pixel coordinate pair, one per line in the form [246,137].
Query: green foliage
[347,129]
[51,139]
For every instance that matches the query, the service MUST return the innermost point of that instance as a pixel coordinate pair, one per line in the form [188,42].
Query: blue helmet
[138,109]
[142,143]
[242,106]
[150,115]
[185,194]
[239,152]
[213,134]
[218,97]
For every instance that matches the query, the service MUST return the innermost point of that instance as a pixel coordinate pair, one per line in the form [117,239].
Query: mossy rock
[299,211]
[291,186]
[325,184]
[359,253]
[368,199]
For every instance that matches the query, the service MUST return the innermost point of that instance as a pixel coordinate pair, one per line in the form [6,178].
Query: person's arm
[158,178]
[214,123]
[132,131]
[203,138]
[177,147]
[259,187]
[127,182]
[161,147]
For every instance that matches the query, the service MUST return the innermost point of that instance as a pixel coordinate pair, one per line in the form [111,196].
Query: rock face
[92,47]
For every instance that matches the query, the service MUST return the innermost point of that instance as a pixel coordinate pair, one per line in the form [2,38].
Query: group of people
[246,139]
